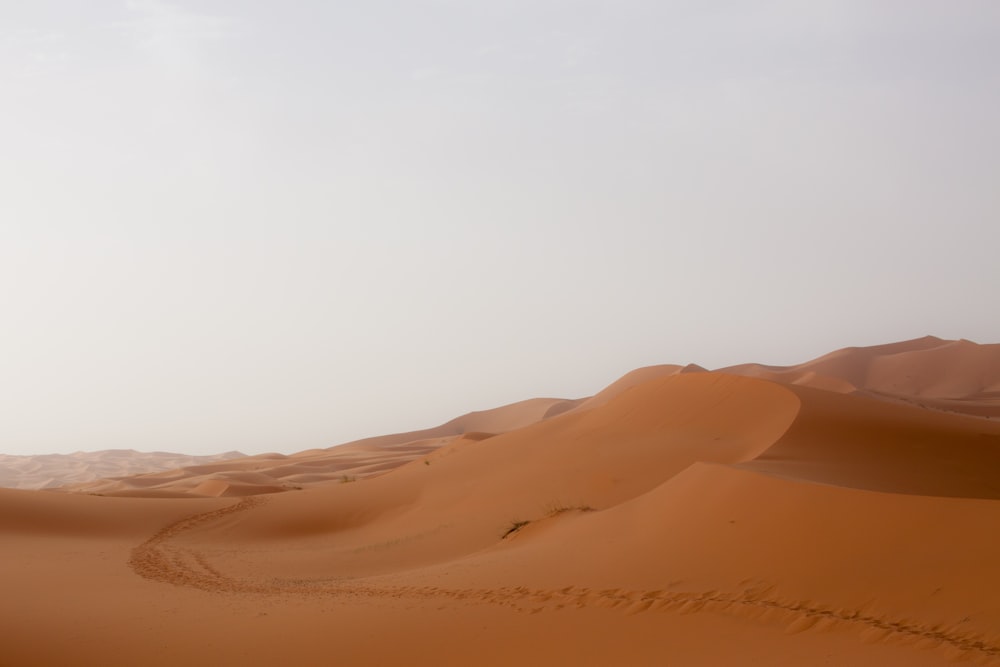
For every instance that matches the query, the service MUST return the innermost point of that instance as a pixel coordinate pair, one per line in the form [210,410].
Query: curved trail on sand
[157,559]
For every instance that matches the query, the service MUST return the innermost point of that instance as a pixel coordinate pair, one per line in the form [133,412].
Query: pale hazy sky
[271,226]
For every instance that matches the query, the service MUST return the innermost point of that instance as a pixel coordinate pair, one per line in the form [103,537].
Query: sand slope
[679,517]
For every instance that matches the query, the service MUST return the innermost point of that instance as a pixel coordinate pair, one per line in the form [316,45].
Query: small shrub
[514,527]
[551,510]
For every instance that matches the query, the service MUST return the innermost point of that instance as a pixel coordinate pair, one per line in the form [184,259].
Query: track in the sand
[158,560]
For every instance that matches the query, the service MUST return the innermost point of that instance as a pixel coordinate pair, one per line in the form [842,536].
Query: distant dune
[54,470]
[840,512]
[950,375]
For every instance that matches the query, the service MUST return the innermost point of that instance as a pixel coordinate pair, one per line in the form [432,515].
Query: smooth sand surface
[811,515]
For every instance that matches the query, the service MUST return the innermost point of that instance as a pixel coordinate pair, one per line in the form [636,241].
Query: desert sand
[838,512]
[46,471]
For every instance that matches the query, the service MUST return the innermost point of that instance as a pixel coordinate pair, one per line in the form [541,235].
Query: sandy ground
[814,515]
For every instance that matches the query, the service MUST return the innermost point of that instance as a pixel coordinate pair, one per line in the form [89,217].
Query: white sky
[271,226]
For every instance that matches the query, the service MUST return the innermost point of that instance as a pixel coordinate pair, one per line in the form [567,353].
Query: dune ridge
[949,375]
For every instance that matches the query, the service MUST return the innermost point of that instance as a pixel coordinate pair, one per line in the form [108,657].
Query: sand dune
[54,470]
[271,473]
[864,443]
[957,376]
[835,512]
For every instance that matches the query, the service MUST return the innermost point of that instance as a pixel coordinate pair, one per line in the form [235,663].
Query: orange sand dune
[956,376]
[678,517]
[928,372]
